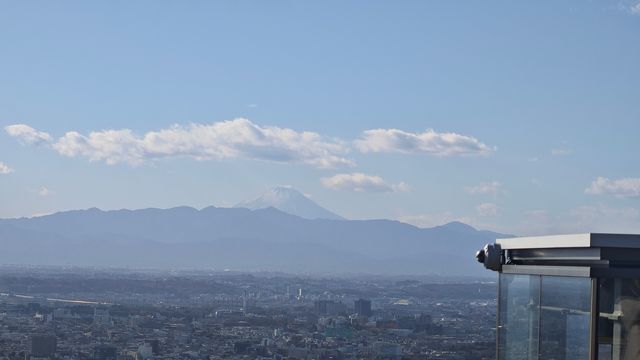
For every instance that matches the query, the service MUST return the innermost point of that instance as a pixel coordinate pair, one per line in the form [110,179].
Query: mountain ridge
[238,238]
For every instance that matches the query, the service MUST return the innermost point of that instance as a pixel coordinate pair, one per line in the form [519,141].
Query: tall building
[329,307]
[101,317]
[43,346]
[386,350]
[363,307]
[145,351]
[155,346]
[105,352]
[244,302]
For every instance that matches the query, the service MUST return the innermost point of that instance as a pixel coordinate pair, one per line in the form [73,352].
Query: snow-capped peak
[290,200]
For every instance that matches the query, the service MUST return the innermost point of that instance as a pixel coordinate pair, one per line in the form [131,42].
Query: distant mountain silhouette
[239,239]
[291,201]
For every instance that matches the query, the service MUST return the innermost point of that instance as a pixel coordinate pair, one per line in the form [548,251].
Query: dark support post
[498,318]
[593,322]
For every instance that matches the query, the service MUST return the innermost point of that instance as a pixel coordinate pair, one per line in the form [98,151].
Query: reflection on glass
[564,318]
[544,317]
[619,320]
[519,317]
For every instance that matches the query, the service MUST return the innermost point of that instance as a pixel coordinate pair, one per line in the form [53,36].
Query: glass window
[544,317]
[518,317]
[619,319]
[564,318]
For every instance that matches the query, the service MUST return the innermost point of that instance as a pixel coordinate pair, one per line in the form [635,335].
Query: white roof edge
[585,240]
[550,241]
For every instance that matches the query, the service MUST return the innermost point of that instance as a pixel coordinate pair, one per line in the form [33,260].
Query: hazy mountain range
[241,239]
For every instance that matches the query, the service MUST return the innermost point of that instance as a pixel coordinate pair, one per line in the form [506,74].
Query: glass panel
[564,318]
[519,307]
[619,319]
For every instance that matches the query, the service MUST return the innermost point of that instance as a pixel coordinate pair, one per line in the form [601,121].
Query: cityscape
[80,313]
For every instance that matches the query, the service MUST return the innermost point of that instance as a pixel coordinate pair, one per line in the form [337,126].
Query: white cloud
[27,135]
[561,152]
[626,187]
[5,169]
[238,138]
[635,9]
[241,138]
[428,142]
[361,183]
[487,209]
[43,191]
[491,188]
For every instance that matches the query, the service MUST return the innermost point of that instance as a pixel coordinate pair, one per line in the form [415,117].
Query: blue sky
[512,116]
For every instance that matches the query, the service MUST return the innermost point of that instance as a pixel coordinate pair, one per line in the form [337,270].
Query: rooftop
[587,240]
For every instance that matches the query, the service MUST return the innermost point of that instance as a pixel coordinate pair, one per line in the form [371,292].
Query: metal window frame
[548,270]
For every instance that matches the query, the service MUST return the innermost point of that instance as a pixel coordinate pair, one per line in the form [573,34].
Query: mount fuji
[291,201]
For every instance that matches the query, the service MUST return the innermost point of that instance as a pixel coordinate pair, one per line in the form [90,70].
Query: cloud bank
[491,188]
[238,138]
[428,142]
[360,182]
[626,187]
[242,139]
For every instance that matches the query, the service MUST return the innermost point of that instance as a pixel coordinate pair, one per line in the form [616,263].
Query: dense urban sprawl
[54,313]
